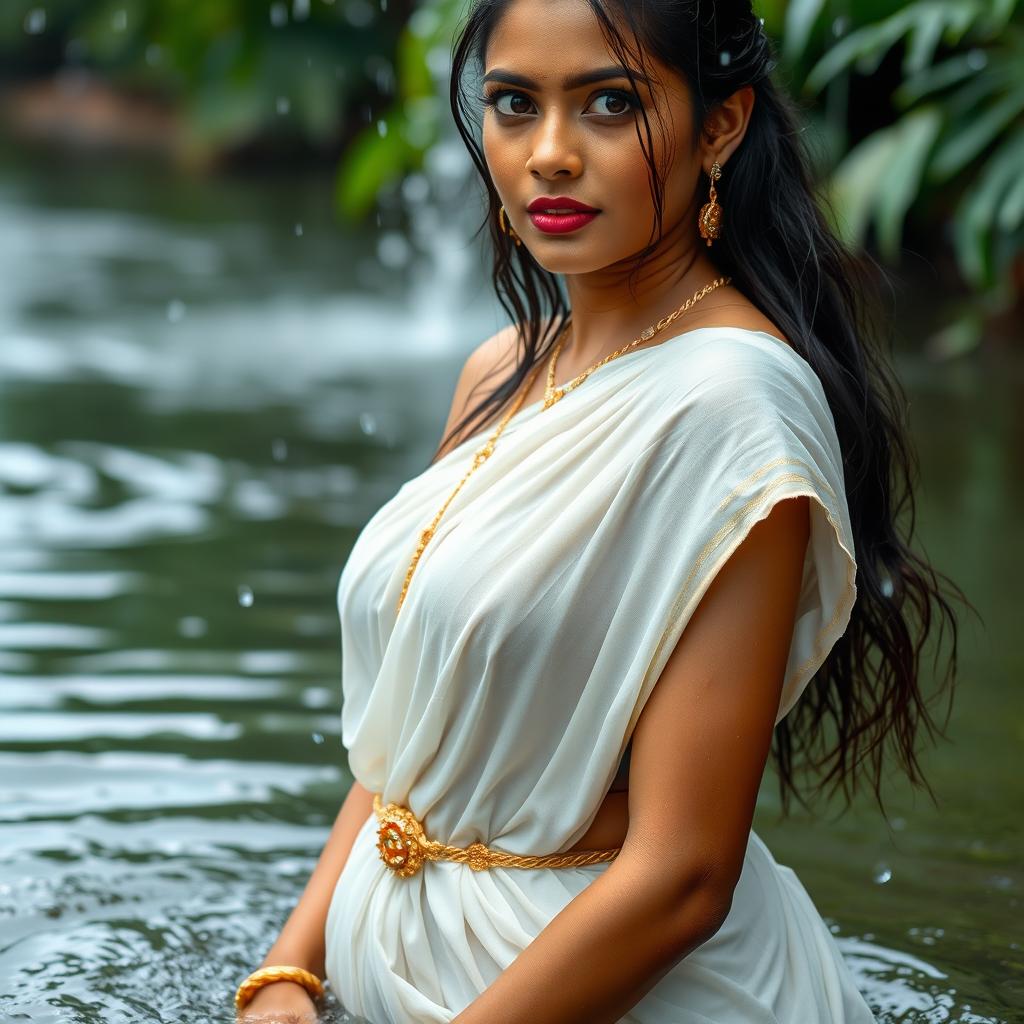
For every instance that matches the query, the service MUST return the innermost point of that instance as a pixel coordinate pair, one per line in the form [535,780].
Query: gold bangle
[265,975]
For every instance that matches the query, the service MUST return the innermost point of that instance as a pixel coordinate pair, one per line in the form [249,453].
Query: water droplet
[393,249]
[318,737]
[976,58]
[245,596]
[278,15]
[840,24]
[154,54]
[898,824]
[298,229]
[279,449]
[283,104]
[175,310]
[300,9]
[358,13]
[75,50]
[724,58]
[35,21]
[192,626]
[119,20]
[887,587]
[415,188]
[882,873]
[382,128]
[368,423]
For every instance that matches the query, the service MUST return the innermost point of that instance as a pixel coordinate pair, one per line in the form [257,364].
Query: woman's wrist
[310,960]
[275,975]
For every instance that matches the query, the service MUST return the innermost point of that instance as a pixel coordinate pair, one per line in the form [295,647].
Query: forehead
[547,38]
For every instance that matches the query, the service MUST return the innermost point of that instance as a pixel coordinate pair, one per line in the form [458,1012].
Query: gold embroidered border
[783,460]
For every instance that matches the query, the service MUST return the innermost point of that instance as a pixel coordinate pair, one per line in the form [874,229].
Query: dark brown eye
[495,99]
[621,102]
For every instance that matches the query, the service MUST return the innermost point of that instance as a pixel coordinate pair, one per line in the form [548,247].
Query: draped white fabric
[498,702]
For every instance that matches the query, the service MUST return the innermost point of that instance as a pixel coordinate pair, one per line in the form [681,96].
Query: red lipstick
[555,215]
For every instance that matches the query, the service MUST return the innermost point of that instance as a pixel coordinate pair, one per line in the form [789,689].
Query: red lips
[545,203]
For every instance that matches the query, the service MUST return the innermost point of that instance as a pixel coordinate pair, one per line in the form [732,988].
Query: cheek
[497,152]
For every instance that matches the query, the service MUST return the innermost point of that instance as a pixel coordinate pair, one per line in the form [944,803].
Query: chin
[574,258]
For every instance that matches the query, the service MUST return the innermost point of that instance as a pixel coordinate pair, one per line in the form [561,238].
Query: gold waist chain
[404,847]
[551,396]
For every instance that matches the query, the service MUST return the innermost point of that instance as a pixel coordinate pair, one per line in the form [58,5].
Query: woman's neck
[606,315]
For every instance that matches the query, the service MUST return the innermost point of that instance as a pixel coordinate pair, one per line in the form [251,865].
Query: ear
[725,127]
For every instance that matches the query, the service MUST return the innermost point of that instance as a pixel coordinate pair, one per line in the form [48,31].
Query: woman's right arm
[301,940]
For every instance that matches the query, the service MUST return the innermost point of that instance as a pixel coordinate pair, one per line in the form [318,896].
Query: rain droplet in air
[245,596]
[318,737]
[882,873]
[283,104]
[298,229]
[175,310]
[724,58]
[35,21]
[279,449]
[119,21]
[278,15]
[192,626]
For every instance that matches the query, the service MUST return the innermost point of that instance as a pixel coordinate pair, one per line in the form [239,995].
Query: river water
[206,388]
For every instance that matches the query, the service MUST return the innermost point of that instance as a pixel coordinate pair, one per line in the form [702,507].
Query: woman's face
[547,136]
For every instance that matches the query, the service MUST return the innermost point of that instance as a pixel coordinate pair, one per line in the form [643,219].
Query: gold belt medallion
[403,847]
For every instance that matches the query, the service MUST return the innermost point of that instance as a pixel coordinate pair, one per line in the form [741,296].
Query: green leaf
[879,179]
[370,163]
[800,18]
[975,218]
[915,134]
[970,138]
[855,183]
[924,39]
[1011,212]
[868,45]
[936,78]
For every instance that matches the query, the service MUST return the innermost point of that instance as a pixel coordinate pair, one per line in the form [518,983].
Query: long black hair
[782,255]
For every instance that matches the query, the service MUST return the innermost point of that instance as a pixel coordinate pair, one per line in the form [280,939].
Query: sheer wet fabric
[498,703]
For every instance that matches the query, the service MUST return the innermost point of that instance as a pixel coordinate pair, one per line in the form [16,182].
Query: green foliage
[302,71]
[384,152]
[338,74]
[958,136]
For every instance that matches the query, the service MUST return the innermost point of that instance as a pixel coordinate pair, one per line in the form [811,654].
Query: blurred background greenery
[238,279]
[918,108]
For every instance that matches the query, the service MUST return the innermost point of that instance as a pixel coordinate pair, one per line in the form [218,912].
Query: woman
[665,537]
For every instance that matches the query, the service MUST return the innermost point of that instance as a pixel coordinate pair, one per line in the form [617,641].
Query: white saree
[499,701]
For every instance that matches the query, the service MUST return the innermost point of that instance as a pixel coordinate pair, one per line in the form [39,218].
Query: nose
[555,150]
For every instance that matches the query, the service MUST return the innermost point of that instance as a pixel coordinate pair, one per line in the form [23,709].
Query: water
[200,404]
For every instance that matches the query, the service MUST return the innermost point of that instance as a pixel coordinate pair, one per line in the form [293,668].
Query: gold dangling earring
[506,227]
[709,220]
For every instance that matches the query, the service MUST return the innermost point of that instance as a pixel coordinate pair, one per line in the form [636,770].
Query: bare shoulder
[493,357]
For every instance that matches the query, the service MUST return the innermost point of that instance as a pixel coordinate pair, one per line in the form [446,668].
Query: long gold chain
[551,396]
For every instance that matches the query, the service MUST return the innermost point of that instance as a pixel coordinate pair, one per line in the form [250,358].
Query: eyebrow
[569,82]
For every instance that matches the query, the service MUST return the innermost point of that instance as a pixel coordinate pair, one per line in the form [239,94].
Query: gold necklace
[551,396]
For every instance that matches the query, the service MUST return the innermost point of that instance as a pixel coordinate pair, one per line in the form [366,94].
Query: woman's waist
[404,841]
